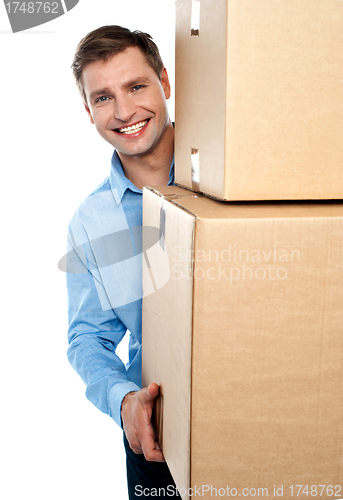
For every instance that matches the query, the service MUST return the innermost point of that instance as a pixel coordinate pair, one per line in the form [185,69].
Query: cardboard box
[259,98]
[246,342]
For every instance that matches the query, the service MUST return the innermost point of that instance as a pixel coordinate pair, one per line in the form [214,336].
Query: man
[124,87]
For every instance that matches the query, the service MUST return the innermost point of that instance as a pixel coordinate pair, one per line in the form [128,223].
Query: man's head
[107,41]
[124,87]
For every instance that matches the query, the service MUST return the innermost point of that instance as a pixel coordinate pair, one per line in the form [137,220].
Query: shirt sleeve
[93,336]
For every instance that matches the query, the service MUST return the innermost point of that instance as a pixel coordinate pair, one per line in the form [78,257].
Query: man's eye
[137,87]
[102,99]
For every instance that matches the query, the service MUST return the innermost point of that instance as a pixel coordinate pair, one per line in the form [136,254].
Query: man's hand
[136,410]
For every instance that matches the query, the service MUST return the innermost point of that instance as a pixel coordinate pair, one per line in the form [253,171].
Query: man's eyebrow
[99,92]
[130,83]
[136,81]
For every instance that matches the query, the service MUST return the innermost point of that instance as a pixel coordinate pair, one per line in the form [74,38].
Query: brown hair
[107,41]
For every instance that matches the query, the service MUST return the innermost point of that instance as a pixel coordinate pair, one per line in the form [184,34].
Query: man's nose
[124,109]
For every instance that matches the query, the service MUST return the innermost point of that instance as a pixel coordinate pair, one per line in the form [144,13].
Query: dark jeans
[147,479]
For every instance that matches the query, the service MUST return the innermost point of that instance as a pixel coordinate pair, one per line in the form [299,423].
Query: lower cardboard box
[243,331]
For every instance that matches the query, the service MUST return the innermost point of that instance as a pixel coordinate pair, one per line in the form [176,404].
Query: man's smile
[132,129]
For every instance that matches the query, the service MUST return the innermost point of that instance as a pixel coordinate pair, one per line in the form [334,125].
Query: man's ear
[88,112]
[165,83]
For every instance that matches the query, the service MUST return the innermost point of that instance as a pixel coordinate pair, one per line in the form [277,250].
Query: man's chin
[138,151]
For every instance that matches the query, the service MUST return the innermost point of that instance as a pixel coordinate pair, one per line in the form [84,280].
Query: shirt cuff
[116,396]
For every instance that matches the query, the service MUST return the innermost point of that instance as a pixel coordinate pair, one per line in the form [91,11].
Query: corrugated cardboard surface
[259,92]
[275,389]
[200,80]
[166,336]
[266,339]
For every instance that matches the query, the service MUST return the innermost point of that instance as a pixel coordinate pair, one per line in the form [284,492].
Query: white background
[54,444]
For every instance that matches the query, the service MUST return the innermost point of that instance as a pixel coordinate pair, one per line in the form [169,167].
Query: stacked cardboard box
[246,340]
[246,337]
[259,98]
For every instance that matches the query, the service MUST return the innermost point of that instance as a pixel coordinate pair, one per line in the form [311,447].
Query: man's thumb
[152,391]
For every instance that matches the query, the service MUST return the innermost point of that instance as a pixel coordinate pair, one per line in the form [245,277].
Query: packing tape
[195,18]
[195,169]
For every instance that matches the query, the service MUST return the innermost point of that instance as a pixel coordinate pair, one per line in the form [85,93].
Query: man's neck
[151,169]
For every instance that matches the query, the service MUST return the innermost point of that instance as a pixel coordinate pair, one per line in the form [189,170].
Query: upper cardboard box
[259,98]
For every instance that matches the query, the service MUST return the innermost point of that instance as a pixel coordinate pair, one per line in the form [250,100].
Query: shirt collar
[120,183]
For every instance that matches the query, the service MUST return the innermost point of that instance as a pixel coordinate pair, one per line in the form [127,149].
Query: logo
[113,253]
[25,15]
[116,260]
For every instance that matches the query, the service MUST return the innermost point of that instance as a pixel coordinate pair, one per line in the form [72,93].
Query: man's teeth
[133,128]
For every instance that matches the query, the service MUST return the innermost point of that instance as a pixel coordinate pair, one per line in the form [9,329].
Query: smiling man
[126,100]
[124,87]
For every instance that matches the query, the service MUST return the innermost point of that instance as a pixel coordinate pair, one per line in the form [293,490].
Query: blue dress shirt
[104,281]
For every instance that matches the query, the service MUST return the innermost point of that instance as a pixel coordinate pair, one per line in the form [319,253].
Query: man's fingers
[136,417]
[136,449]
[154,455]
[151,449]
[135,445]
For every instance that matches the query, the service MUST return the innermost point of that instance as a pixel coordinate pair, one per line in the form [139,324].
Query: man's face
[127,102]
